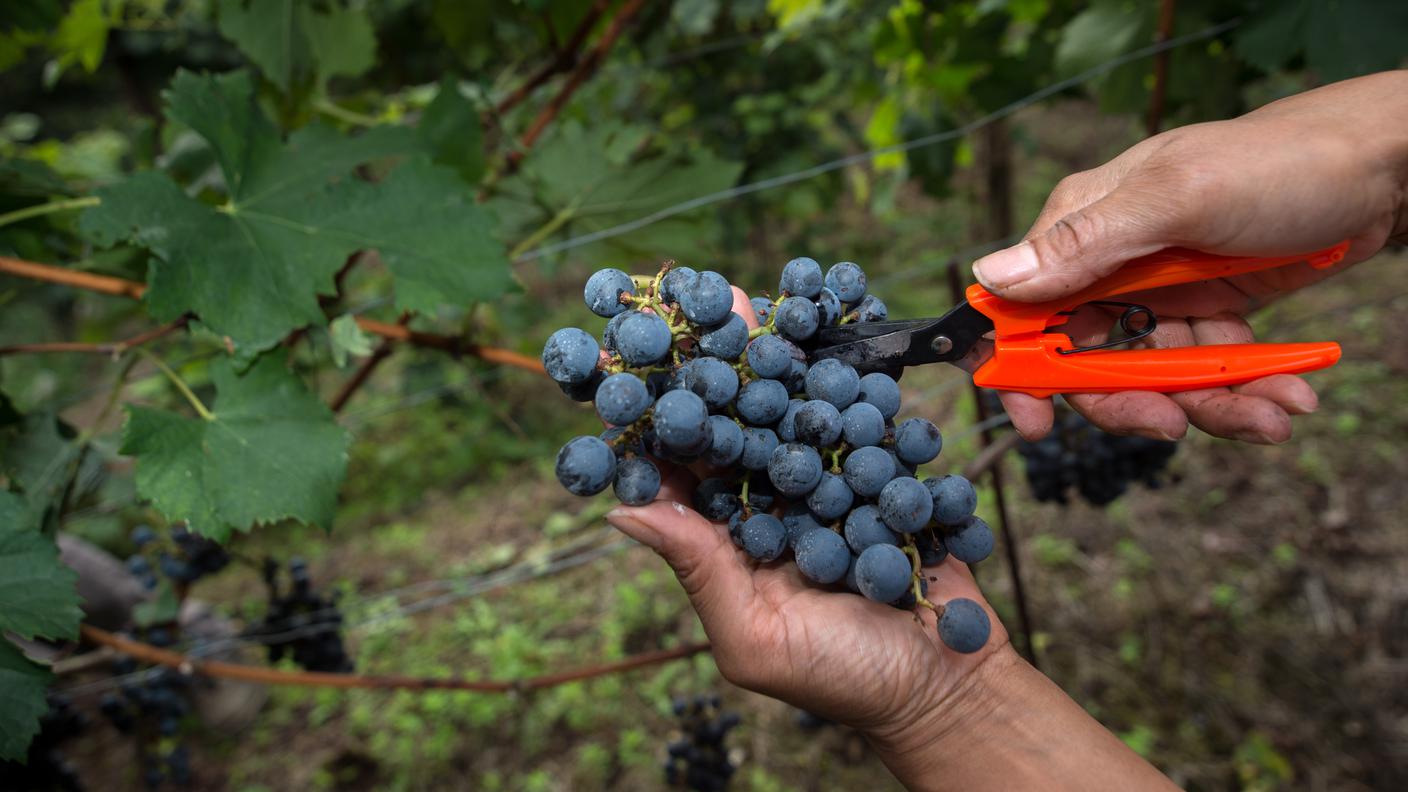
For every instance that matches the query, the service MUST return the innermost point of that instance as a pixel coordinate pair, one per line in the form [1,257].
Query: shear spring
[1131,311]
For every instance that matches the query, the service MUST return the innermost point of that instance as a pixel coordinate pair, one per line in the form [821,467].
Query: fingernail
[1007,267]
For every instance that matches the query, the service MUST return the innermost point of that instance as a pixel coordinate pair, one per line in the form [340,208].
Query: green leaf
[253,268]
[1269,40]
[1348,38]
[39,455]
[1100,33]
[348,339]
[451,129]
[271,452]
[295,43]
[162,609]
[22,702]
[38,597]
[83,34]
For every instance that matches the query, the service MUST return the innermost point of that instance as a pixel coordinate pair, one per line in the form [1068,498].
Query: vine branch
[565,59]
[114,348]
[364,371]
[273,676]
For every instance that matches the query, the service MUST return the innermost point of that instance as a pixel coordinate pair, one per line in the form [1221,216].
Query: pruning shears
[1014,346]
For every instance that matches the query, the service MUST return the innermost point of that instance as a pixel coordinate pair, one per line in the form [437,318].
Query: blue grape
[917,441]
[798,520]
[758,445]
[621,399]
[905,505]
[603,292]
[710,379]
[716,500]
[801,277]
[762,402]
[586,465]
[795,469]
[871,309]
[675,282]
[851,576]
[862,425]
[865,528]
[822,556]
[608,336]
[786,425]
[761,494]
[882,391]
[965,626]
[972,542]
[769,357]
[735,528]
[907,601]
[727,340]
[883,573]
[931,548]
[797,319]
[585,390]
[764,538]
[954,498]
[143,535]
[796,379]
[762,308]
[727,446]
[831,499]
[707,299]
[867,470]
[612,436]
[637,481]
[832,381]
[570,355]
[847,280]
[817,423]
[642,339]
[139,566]
[682,422]
[828,308]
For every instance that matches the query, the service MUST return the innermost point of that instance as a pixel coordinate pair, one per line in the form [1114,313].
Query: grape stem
[913,552]
[180,384]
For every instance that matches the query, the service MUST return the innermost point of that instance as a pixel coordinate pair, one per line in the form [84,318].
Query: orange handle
[1027,357]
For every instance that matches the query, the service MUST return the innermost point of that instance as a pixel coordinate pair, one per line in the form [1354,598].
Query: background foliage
[277,172]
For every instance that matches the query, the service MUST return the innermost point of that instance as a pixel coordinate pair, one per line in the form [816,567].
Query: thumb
[701,554]
[1080,248]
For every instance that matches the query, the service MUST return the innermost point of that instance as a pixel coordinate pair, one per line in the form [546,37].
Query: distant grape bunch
[151,707]
[1097,465]
[696,757]
[793,456]
[301,623]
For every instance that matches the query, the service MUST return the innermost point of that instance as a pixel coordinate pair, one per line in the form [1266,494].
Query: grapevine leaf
[1098,34]
[450,126]
[270,451]
[253,268]
[294,42]
[38,594]
[347,339]
[83,34]
[38,453]
[22,702]
[1273,37]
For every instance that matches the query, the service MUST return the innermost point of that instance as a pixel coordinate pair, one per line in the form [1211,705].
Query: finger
[1080,248]
[1139,413]
[1244,416]
[744,307]
[1291,393]
[1031,417]
[705,561]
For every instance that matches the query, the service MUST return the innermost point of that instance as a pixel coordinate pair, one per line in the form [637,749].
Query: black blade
[883,346]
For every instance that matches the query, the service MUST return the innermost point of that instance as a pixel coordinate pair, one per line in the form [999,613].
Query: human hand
[1297,175]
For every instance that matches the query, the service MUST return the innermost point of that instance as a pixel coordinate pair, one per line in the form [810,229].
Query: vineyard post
[1160,90]
[985,439]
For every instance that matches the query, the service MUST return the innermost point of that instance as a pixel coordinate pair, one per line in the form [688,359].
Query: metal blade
[956,337]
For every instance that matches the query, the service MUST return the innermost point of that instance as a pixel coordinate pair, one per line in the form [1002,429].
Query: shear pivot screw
[942,345]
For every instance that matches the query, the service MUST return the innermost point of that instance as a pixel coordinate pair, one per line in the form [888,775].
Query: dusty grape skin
[769,357]
[763,537]
[965,626]
[905,505]
[795,469]
[797,319]
[847,280]
[682,422]
[570,355]
[828,308]
[798,520]
[707,299]
[817,423]
[867,471]
[642,339]
[674,282]
[883,573]
[882,391]
[831,499]
[954,498]
[758,445]
[786,425]
[637,481]
[621,399]
[585,465]
[862,425]
[972,542]
[726,447]
[832,381]
[710,379]
[726,341]
[801,277]
[917,441]
[762,402]
[865,528]
[822,556]
[716,500]
[603,292]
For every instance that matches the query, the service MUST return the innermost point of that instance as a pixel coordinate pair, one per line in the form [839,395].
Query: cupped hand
[1297,175]
[833,653]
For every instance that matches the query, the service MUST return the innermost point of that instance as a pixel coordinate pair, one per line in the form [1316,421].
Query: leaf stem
[180,384]
[333,110]
[52,207]
[546,230]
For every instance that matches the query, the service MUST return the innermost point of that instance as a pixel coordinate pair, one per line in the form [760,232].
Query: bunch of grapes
[301,623]
[184,560]
[697,757]
[1099,466]
[798,456]
[151,707]
[45,767]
